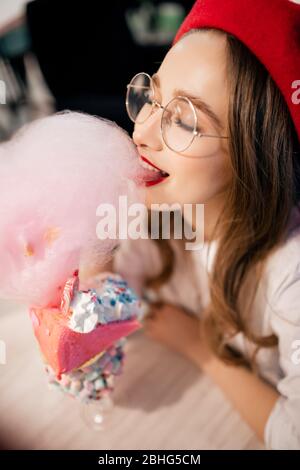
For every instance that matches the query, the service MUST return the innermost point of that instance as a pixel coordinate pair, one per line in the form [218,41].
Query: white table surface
[161,402]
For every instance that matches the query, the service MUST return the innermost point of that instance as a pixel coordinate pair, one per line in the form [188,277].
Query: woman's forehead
[196,59]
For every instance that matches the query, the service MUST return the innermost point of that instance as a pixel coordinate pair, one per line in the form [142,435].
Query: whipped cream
[111,301]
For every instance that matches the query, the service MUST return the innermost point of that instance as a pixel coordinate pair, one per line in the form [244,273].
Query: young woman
[221,122]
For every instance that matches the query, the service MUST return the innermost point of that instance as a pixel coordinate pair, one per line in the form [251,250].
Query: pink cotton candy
[54,173]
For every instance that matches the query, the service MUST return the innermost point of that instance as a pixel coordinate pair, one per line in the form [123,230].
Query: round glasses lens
[178,124]
[139,98]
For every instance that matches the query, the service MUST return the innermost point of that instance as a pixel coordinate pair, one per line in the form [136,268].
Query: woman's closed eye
[185,126]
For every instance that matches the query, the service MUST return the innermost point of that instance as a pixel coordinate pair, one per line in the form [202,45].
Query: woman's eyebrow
[201,105]
[197,102]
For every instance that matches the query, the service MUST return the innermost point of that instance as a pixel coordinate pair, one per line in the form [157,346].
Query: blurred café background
[56,54]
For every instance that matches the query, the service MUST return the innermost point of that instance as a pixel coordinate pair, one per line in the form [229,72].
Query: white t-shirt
[276,309]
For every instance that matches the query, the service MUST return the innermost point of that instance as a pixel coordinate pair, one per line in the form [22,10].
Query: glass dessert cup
[93,385]
[96,414]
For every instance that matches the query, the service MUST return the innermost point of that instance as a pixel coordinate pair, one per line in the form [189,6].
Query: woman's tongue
[153,175]
[145,175]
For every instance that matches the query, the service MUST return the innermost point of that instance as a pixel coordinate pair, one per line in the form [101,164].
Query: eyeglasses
[180,123]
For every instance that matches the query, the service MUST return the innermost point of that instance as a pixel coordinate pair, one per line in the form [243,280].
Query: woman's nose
[148,133]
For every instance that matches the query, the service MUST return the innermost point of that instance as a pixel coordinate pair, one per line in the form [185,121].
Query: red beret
[269,28]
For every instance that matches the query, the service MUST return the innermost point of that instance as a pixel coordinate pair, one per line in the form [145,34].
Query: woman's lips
[152,178]
[157,181]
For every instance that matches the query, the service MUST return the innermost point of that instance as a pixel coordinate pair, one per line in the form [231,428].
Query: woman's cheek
[202,181]
[192,182]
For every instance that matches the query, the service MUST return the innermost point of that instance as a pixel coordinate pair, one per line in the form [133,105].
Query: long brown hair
[265,158]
